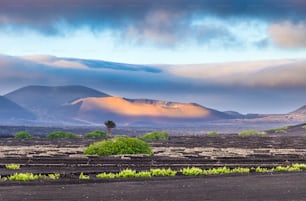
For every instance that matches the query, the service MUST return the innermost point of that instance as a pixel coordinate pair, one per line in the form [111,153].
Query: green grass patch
[262,170]
[304,126]
[22,135]
[279,130]
[119,146]
[193,171]
[105,175]
[62,134]
[31,177]
[163,172]
[212,133]
[250,133]
[156,135]
[82,176]
[12,166]
[96,134]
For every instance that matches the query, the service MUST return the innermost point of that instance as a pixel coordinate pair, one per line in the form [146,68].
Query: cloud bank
[165,23]
[251,74]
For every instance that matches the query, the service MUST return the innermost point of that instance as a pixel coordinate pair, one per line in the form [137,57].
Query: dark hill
[301,110]
[47,102]
[12,111]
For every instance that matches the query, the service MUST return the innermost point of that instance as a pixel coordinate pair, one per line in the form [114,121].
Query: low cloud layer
[166,23]
[256,74]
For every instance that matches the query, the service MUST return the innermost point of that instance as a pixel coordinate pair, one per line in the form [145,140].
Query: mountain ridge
[77,104]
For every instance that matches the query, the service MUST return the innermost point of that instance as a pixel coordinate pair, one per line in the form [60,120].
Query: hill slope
[10,111]
[142,110]
[47,102]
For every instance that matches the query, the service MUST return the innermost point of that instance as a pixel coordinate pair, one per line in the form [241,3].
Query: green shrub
[117,146]
[299,165]
[144,174]
[156,135]
[304,126]
[22,135]
[251,132]
[12,166]
[163,172]
[240,170]
[96,134]
[105,175]
[191,171]
[217,171]
[31,177]
[62,134]
[286,169]
[84,177]
[279,130]
[54,176]
[212,133]
[262,170]
[127,173]
[23,177]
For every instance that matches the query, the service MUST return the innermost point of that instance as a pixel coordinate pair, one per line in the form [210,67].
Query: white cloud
[54,61]
[288,35]
[274,73]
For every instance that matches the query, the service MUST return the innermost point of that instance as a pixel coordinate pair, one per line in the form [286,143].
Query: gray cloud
[144,21]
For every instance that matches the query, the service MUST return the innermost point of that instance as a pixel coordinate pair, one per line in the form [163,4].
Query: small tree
[109,126]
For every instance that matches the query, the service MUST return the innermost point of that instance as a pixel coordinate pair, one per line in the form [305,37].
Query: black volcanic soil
[280,187]
[41,155]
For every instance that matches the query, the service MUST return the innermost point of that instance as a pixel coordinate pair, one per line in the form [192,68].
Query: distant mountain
[128,111]
[10,111]
[301,110]
[66,105]
[47,102]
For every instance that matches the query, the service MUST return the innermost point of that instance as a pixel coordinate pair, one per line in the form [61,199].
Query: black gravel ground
[277,187]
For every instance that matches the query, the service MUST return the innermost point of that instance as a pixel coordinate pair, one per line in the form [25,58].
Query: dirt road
[277,187]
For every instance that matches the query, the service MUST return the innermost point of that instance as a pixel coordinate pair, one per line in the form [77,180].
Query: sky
[243,55]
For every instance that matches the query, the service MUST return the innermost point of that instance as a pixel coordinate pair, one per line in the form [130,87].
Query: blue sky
[266,37]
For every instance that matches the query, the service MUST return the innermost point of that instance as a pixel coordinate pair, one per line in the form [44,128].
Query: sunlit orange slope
[142,107]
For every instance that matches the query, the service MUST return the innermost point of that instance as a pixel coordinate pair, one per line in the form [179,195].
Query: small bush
[105,175]
[117,146]
[300,166]
[22,135]
[23,177]
[262,170]
[127,173]
[217,171]
[96,134]
[163,172]
[251,132]
[12,166]
[240,170]
[62,134]
[191,171]
[304,126]
[156,135]
[212,133]
[54,176]
[84,177]
[279,130]
[144,174]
